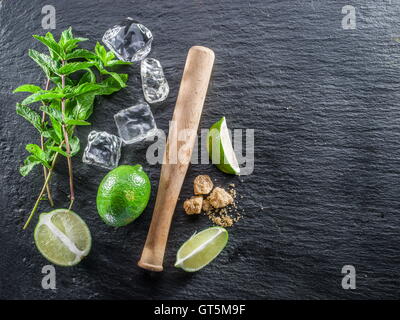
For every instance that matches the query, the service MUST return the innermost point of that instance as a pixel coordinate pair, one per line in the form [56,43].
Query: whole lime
[123,194]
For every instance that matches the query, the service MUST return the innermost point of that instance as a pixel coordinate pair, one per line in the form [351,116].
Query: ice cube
[103,150]
[129,40]
[155,86]
[136,123]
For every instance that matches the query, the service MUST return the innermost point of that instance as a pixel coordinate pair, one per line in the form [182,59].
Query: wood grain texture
[178,152]
[324,103]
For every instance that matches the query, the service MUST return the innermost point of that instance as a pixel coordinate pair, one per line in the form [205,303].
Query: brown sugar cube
[219,198]
[206,206]
[193,205]
[202,185]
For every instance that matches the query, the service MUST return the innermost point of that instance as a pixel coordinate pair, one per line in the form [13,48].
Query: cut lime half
[62,237]
[219,147]
[201,249]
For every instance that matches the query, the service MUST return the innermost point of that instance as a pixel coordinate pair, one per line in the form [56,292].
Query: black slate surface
[324,193]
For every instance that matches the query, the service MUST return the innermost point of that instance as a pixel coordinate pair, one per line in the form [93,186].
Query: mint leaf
[59,150]
[28,88]
[101,52]
[74,122]
[114,63]
[38,154]
[72,44]
[84,106]
[81,54]
[65,36]
[57,128]
[50,37]
[68,42]
[110,85]
[107,58]
[85,88]
[32,117]
[73,67]
[53,136]
[42,96]
[116,76]
[88,77]
[29,163]
[52,112]
[74,145]
[110,55]
[58,82]
[47,64]
[121,81]
[53,46]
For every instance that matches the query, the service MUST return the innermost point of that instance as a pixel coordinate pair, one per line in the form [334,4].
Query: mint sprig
[75,76]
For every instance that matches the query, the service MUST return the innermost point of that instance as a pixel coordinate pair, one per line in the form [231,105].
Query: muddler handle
[178,152]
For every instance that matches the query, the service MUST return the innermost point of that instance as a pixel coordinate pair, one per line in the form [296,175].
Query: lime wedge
[201,249]
[219,147]
[62,237]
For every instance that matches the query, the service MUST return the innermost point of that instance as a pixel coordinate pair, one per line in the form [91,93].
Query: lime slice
[62,237]
[201,249]
[219,147]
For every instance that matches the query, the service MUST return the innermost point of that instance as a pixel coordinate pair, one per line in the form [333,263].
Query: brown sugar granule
[224,221]
[202,185]
[193,205]
[222,217]
[206,205]
[219,198]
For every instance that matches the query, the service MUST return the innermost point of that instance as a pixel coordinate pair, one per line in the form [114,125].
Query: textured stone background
[324,104]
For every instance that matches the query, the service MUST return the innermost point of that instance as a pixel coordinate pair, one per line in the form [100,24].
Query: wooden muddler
[178,152]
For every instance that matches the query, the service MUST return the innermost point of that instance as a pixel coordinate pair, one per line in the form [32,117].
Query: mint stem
[67,146]
[45,173]
[46,182]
